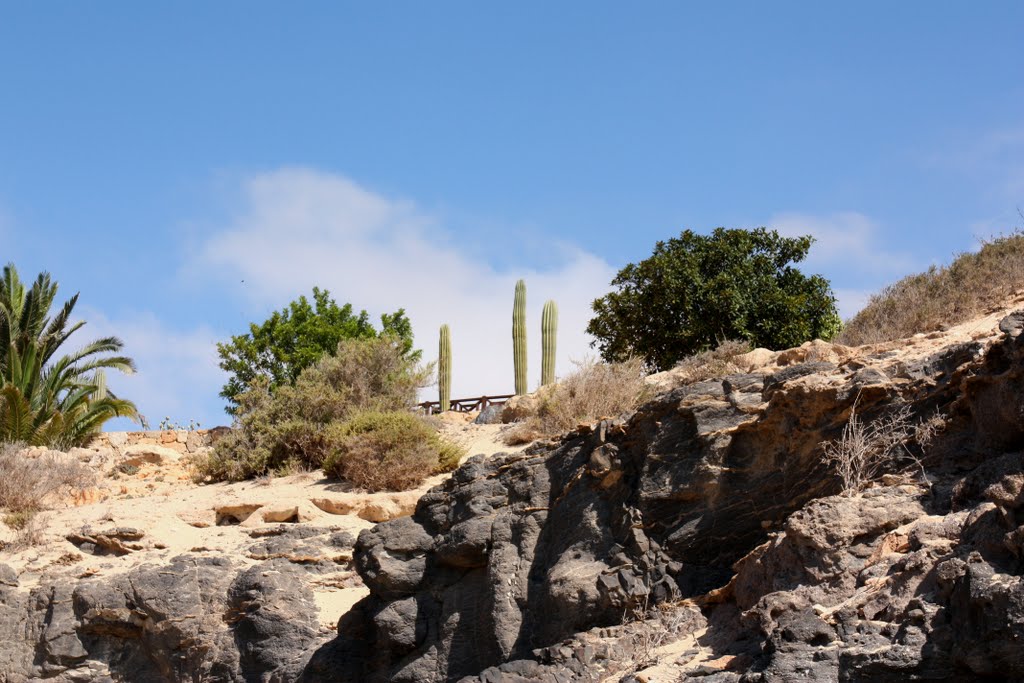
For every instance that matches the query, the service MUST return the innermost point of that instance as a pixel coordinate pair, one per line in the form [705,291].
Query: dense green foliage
[695,291]
[45,399]
[391,451]
[298,426]
[294,338]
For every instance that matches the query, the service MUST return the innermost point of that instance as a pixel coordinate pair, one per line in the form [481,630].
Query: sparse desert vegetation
[389,451]
[713,363]
[942,295]
[343,405]
[593,390]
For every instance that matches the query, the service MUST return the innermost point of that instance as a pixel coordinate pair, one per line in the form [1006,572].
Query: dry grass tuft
[941,296]
[711,364]
[591,391]
[27,484]
[866,450]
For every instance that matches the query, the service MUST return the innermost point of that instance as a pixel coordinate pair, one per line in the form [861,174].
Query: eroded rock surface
[716,492]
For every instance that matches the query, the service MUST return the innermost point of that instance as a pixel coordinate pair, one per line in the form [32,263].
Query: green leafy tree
[696,291]
[45,399]
[294,338]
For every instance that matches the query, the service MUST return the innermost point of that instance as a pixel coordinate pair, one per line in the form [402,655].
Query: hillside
[702,536]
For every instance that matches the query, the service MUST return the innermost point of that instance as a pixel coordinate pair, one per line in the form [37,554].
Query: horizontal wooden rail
[465,405]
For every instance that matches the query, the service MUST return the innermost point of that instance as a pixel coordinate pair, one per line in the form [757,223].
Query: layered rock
[194,618]
[516,554]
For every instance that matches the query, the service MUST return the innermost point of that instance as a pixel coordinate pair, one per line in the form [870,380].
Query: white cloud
[299,228]
[177,373]
[843,240]
[851,301]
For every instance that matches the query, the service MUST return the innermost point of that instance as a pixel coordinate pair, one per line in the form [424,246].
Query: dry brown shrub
[945,295]
[714,363]
[866,450]
[593,390]
[28,484]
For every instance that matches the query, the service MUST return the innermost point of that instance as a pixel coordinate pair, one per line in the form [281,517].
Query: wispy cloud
[177,373]
[843,240]
[298,228]
[849,250]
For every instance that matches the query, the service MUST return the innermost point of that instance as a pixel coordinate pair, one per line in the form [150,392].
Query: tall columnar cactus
[519,337]
[549,342]
[444,370]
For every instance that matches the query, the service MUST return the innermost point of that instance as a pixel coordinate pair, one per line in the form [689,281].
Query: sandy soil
[176,516]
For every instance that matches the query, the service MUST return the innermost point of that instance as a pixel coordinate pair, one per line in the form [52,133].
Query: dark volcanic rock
[517,554]
[197,618]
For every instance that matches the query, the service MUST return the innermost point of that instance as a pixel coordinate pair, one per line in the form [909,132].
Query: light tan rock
[334,506]
[144,453]
[754,360]
[380,511]
[235,513]
[117,439]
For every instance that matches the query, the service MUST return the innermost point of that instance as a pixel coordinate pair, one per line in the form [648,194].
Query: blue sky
[191,166]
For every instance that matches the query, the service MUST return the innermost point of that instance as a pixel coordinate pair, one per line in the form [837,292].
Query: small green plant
[519,337]
[20,519]
[167,424]
[390,451]
[549,341]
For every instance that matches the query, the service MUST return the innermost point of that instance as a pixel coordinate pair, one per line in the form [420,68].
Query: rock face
[194,619]
[516,554]
[700,537]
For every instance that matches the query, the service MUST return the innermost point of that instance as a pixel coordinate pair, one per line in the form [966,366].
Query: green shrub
[295,338]
[297,426]
[392,451]
[696,290]
[945,295]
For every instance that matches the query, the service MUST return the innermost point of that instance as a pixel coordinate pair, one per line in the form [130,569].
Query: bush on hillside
[696,290]
[389,451]
[593,390]
[945,295]
[296,427]
[293,339]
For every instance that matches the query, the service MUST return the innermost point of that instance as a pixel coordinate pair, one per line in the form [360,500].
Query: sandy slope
[176,516]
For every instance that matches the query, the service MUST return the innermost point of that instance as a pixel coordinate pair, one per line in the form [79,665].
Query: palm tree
[47,400]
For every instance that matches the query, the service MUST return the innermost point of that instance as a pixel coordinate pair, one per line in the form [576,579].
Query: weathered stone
[141,454]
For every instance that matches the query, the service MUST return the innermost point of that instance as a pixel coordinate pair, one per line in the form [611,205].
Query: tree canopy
[46,400]
[696,291]
[294,338]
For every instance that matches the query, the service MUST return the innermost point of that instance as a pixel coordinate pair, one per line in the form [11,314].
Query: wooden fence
[466,405]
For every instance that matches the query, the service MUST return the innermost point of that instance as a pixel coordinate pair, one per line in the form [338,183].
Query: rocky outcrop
[196,618]
[717,493]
